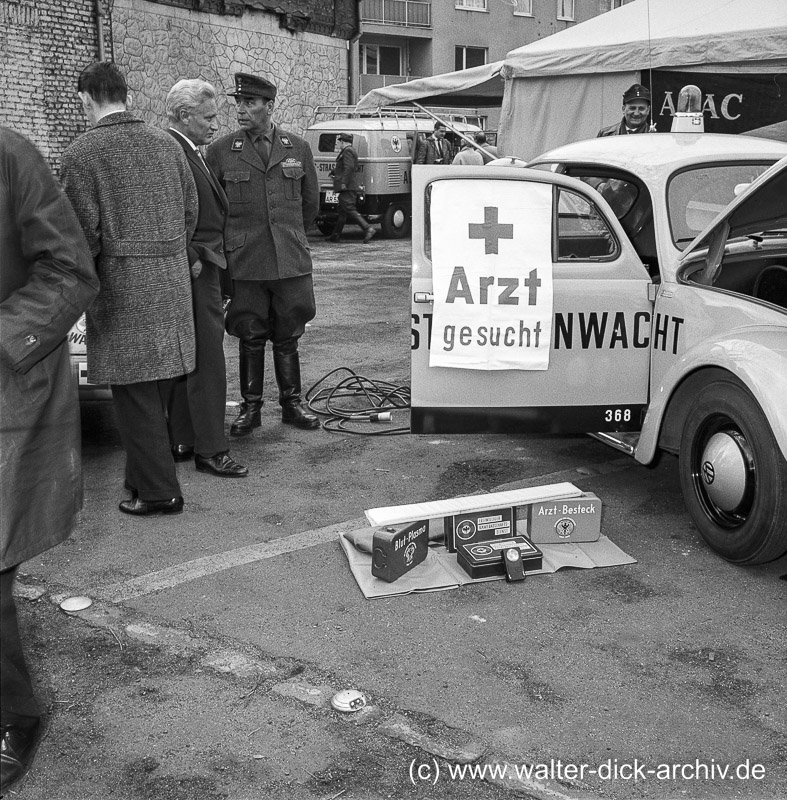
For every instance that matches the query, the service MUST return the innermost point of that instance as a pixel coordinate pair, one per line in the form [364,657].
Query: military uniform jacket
[47,279]
[345,177]
[619,129]
[134,195]
[271,207]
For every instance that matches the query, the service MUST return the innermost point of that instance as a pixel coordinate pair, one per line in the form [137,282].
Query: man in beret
[269,178]
[636,109]
[345,182]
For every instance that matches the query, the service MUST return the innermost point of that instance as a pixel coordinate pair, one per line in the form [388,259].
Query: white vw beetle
[634,286]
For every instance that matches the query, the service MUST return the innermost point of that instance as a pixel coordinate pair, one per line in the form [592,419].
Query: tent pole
[452,128]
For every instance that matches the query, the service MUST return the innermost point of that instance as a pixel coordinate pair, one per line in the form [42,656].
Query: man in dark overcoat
[345,182]
[47,279]
[196,402]
[636,109]
[269,176]
[134,194]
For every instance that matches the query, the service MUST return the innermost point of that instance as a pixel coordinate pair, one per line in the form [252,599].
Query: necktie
[261,145]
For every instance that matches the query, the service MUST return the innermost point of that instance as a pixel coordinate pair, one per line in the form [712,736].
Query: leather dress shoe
[367,237]
[182,452]
[293,414]
[144,508]
[16,751]
[222,464]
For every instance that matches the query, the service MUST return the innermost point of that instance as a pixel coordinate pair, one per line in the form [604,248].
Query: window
[613,4]
[582,233]
[696,196]
[466,57]
[471,5]
[380,60]
[565,10]
[523,8]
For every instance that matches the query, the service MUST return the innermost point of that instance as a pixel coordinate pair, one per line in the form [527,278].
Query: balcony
[369,82]
[404,13]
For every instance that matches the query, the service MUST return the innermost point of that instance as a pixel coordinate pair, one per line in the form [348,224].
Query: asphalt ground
[205,666]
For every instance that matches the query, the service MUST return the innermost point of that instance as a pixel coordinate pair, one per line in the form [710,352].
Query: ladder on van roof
[389,112]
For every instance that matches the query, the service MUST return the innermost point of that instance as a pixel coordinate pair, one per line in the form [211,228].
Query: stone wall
[44,44]
[156,45]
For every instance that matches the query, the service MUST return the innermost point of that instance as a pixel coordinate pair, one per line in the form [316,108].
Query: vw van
[384,144]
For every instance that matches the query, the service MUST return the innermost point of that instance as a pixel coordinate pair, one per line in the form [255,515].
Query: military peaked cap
[251,86]
[636,92]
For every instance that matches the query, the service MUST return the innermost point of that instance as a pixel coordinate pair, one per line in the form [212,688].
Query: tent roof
[659,33]
[479,86]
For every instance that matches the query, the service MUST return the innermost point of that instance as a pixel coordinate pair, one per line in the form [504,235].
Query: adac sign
[732,103]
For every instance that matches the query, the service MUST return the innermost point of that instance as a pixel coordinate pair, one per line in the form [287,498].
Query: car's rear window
[696,196]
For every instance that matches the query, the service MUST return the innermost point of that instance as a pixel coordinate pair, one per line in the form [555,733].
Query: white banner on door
[491,274]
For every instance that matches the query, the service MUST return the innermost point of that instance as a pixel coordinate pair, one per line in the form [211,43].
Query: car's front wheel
[733,475]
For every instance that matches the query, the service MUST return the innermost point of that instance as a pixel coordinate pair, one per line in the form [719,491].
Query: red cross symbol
[490,230]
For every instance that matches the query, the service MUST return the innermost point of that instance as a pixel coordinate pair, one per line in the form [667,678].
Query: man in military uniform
[269,177]
[345,182]
[636,109]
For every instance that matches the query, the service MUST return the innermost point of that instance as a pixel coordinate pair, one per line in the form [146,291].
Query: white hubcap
[723,470]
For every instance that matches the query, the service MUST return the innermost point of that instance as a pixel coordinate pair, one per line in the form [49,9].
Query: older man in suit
[136,200]
[269,176]
[197,401]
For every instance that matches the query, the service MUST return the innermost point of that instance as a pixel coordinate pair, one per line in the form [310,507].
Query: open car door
[531,311]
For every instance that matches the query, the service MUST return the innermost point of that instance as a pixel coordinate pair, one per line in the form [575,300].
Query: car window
[696,196]
[582,233]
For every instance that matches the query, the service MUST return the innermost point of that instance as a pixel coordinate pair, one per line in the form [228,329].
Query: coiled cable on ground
[356,400]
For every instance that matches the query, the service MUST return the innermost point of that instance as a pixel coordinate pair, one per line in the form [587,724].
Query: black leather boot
[252,374]
[287,367]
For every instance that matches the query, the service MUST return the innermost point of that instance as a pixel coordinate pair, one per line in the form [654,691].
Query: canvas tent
[566,86]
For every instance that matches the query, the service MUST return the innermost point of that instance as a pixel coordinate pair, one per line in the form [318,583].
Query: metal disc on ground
[348,700]
[72,604]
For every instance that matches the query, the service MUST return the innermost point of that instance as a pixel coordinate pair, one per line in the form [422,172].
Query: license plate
[332,197]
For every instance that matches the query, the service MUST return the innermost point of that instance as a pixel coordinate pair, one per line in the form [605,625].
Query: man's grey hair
[188,93]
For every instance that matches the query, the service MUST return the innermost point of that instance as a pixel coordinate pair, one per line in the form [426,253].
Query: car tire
[395,223]
[733,475]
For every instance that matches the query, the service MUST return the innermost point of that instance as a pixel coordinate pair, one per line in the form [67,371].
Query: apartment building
[406,39]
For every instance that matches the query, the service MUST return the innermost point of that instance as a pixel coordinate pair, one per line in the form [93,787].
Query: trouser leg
[174,398]
[150,468]
[16,687]
[206,386]
[292,306]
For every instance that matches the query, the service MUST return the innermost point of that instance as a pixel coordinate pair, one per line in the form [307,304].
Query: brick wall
[44,44]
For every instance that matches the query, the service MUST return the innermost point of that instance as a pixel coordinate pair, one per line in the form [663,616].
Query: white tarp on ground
[566,86]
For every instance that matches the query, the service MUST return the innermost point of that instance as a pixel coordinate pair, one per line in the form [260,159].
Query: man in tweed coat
[134,195]
[269,177]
